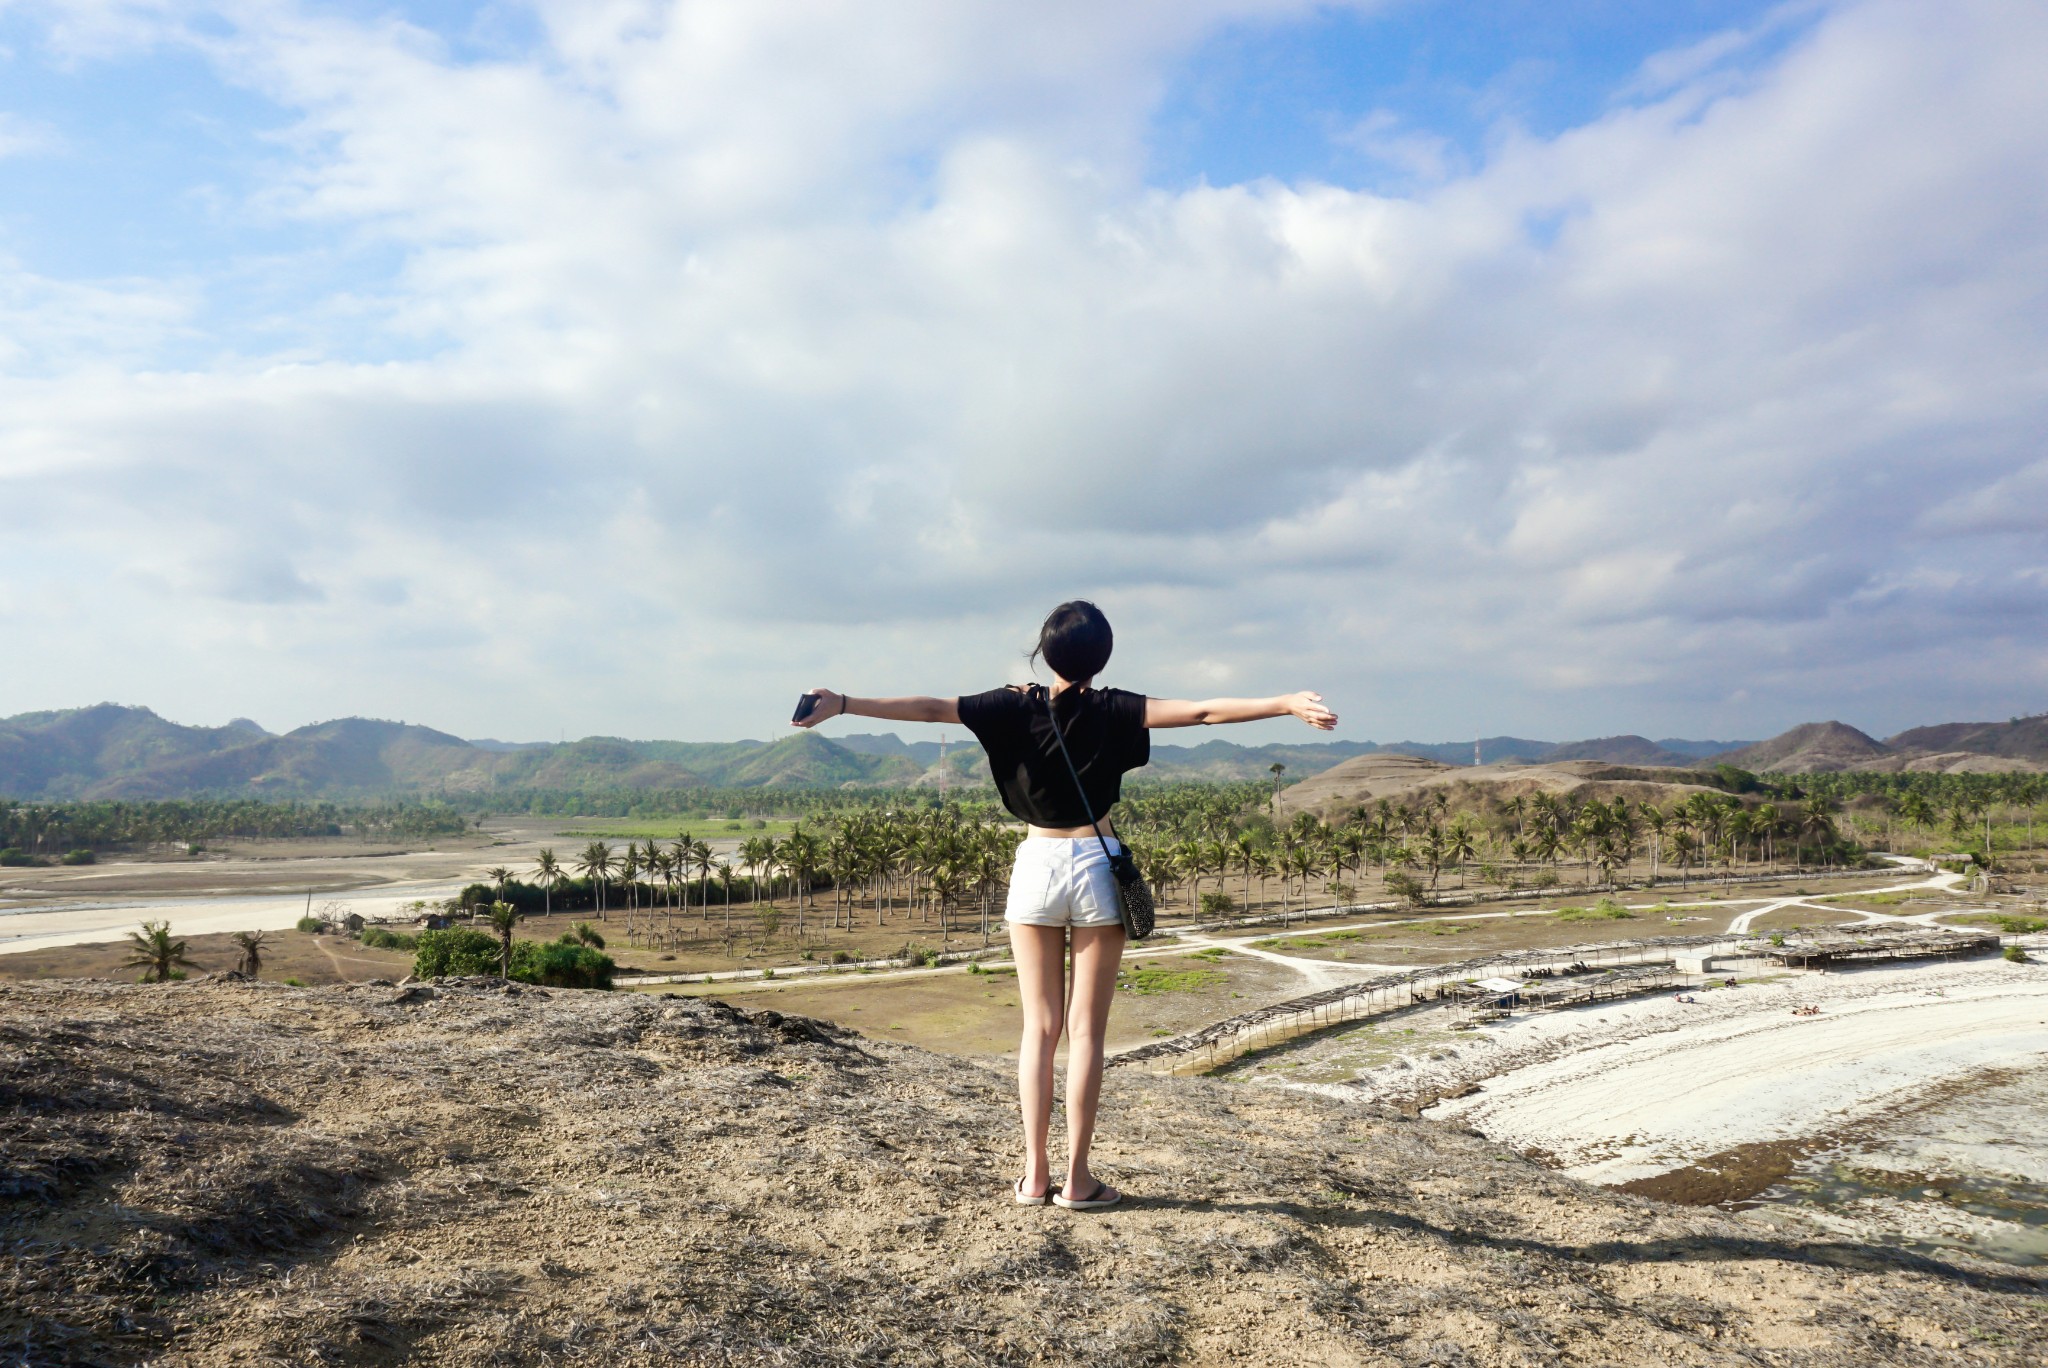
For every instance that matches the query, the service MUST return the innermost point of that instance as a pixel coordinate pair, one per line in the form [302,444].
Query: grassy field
[1442,940]
[286,955]
[670,828]
[978,1013]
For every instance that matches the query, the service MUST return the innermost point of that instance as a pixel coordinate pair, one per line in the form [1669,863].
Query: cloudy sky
[620,366]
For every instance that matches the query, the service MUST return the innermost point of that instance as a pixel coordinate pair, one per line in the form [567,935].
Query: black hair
[1075,640]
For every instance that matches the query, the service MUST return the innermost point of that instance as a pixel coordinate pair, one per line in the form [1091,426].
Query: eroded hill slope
[219,1173]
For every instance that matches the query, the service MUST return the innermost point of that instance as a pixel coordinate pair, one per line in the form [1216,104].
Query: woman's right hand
[830,705]
[1309,708]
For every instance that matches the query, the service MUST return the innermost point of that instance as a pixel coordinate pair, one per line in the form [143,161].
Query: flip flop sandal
[1024,1199]
[1103,1196]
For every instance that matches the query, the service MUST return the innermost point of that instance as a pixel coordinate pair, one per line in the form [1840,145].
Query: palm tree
[1459,844]
[700,860]
[548,870]
[596,864]
[725,878]
[1659,822]
[252,953]
[1276,769]
[504,916]
[498,874]
[1816,817]
[154,952]
[1244,849]
[679,861]
[1685,849]
[629,874]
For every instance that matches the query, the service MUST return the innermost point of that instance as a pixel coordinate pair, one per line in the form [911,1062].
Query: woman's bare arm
[831,705]
[1178,712]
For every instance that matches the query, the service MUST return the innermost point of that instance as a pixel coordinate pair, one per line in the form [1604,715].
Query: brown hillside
[1403,778]
[1812,748]
[2024,738]
[1620,750]
[211,1174]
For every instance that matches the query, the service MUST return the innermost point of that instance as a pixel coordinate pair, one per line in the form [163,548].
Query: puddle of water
[1965,1166]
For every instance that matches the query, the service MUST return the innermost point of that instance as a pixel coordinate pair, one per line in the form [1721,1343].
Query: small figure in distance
[1062,892]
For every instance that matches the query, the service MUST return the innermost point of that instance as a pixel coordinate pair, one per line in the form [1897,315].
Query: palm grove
[1217,851]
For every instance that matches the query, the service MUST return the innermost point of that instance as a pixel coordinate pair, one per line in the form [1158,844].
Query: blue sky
[1548,369]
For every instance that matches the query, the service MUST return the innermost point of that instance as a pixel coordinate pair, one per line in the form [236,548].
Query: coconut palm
[548,871]
[595,863]
[497,874]
[503,917]
[725,879]
[154,952]
[251,963]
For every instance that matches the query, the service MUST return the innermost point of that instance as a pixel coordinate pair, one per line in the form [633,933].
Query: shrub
[458,950]
[312,926]
[1777,937]
[14,857]
[841,957]
[586,934]
[563,963]
[771,922]
[915,955]
[1407,887]
[377,938]
[2015,954]
[1220,904]
[80,857]
[289,983]
[193,847]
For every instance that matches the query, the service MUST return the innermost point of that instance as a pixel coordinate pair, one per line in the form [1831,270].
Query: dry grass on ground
[214,1174]
[286,954]
[1445,940]
[1793,918]
[979,1014]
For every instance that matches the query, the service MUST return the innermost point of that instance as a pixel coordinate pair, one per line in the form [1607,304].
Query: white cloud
[775,345]
[20,137]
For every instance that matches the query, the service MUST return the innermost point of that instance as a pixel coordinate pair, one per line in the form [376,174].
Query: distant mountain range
[109,751]
[1951,748]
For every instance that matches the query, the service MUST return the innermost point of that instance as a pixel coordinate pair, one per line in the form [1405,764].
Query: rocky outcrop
[216,1173]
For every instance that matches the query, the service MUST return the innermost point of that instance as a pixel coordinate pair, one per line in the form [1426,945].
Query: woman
[1062,892]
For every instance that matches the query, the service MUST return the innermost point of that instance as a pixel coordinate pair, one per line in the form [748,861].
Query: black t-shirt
[1105,734]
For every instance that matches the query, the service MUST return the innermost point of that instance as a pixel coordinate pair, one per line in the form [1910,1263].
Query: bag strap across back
[1086,806]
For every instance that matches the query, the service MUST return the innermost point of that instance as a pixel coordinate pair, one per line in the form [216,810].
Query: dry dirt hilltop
[218,1173]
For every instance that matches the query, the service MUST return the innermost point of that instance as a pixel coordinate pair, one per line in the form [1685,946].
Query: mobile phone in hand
[805,706]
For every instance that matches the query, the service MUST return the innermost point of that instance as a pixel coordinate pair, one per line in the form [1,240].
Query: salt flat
[1630,1090]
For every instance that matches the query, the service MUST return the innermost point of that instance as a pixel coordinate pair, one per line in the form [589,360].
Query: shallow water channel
[1968,1169]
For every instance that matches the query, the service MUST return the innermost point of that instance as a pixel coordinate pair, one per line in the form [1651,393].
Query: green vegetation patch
[1607,909]
[1212,954]
[2009,924]
[1150,979]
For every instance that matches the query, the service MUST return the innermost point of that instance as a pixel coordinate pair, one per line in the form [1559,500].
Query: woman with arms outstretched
[1062,892]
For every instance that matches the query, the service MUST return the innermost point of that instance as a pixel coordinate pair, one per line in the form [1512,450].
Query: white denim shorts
[1061,882]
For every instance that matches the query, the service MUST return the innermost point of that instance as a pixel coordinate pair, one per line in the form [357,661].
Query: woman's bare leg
[1097,952]
[1041,955]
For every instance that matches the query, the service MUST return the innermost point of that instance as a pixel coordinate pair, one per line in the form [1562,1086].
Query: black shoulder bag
[1132,896]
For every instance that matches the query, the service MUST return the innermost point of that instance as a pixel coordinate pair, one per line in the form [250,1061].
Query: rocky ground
[222,1173]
